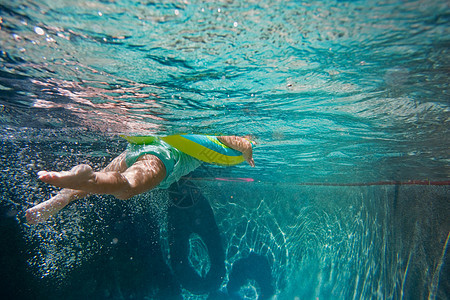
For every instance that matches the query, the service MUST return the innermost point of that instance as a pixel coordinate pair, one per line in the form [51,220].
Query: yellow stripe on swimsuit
[203,147]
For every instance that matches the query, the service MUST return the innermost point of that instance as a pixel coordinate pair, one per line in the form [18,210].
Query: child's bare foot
[73,179]
[35,216]
[45,210]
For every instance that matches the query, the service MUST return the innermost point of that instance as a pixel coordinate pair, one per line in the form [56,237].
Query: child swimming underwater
[140,168]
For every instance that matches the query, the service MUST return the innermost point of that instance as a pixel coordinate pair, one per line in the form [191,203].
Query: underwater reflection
[102,106]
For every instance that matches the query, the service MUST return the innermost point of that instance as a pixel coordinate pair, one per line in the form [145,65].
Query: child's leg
[146,173]
[115,179]
[44,210]
[81,173]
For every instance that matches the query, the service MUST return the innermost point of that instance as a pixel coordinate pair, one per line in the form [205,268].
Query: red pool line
[409,182]
[239,179]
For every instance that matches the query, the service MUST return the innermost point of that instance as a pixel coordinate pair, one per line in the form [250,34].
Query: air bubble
[39,30]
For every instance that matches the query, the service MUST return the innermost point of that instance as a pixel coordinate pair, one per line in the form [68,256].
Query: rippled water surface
[336,92]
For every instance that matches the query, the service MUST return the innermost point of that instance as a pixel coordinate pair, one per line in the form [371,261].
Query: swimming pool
[348,101]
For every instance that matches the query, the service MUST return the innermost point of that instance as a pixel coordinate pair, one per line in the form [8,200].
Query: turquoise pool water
[348,101]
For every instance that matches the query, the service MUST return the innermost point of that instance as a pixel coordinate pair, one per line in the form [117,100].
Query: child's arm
[240,144]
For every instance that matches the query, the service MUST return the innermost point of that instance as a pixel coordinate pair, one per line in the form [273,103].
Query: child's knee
[123,196]
[126,194]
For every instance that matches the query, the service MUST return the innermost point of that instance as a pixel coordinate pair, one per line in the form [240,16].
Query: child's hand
[240,144]
[251,162]
[248,156]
